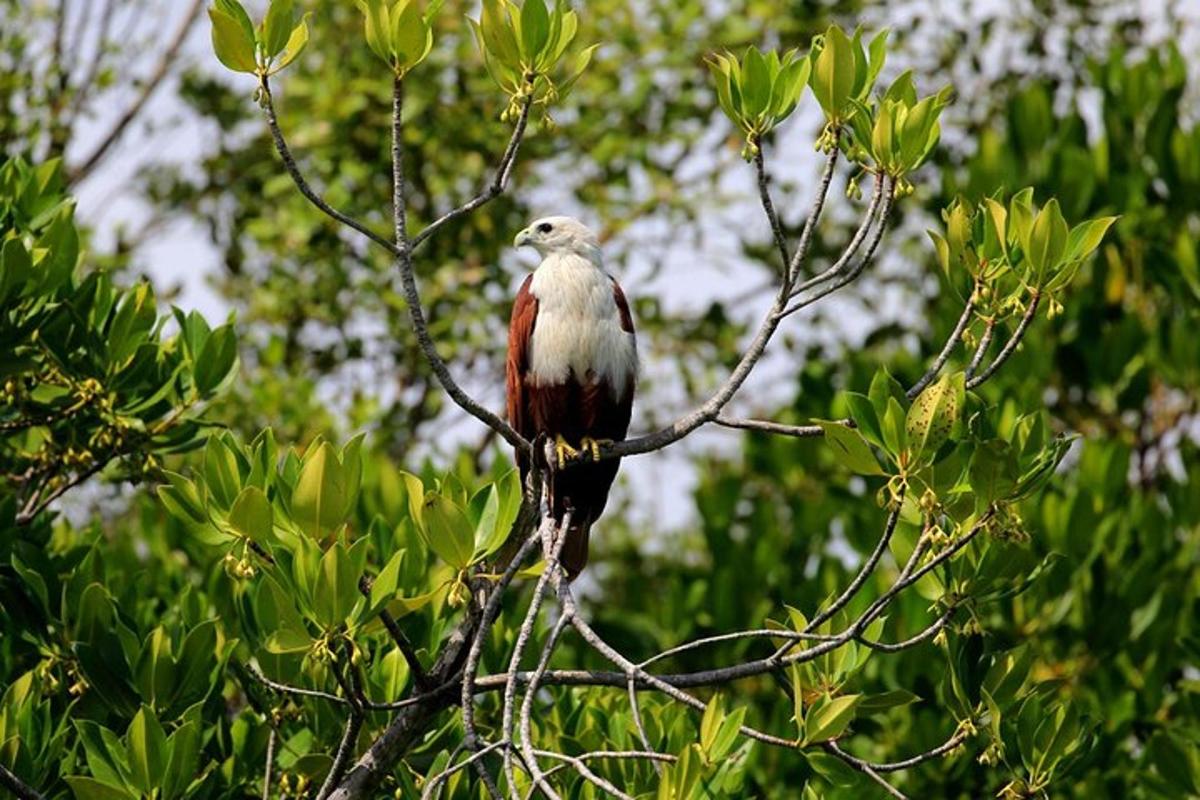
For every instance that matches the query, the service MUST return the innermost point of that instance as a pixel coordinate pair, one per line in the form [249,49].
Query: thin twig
[764,194]
[494,189]
[271,737]
[412,295]
[767,426]
[1010,346]
[855,243]
[342,757]
[944,356]
[670,683]
[814,216]
[864,768]
[420,679]
[18,787]
[985,342]
[867,569]
[835,278]
[711,408]
[551,547]
[490,609]
[92,72]
[297,691]
[527,749]
[577,764]
[928,633]
[436,781]
[636,712]
[289,164]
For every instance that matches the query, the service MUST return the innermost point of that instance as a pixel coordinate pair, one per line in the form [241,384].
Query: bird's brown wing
[622,307]
[520,334]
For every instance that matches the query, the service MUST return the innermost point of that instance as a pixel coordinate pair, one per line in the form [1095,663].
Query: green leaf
[319,501]
[92,789]
[235,10]
[864,416]
[894,434]
[297,41]
[217,359]
[233,47]
[833,73]
[104,666]
[884,386]
[154,673]
[484,512]
[252,516]
[336,590]
[535,29]
[993,470]
[195,665]
[756,83]
[222,473]
[711,722]
[1047,240]
[15,267]
[498,34]
[410,35]
[183,747]
[933,414]
[277,27]
[830,717]
[147,746]
[448,532]
[850,448]
[106,757]
[886,700]
[1086,237]
[377,27]
[387,582]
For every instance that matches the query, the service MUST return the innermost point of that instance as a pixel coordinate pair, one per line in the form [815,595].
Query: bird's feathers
[571,367]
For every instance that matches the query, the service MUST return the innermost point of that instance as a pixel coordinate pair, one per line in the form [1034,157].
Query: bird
[571,372]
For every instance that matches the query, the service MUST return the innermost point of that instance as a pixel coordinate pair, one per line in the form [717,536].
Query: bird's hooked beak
[523,238]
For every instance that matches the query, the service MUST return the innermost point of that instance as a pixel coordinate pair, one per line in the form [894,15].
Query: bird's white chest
[578,328]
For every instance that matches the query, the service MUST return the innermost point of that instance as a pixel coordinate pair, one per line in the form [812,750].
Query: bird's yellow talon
[563,451]
[593,445]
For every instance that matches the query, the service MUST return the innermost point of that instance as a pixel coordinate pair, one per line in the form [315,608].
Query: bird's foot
[563,451]
[593,445]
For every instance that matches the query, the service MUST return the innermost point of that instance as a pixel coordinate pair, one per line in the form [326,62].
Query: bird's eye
[545,227]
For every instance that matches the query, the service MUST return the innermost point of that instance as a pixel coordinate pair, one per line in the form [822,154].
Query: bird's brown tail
[574,553]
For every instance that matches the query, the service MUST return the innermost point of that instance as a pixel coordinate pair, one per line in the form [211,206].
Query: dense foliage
[149,652]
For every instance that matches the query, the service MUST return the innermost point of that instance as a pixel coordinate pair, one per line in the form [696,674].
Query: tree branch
[767,426]
[271,738]
[1010,346]
[834,278]
[764,194]
[852,247]
[412,295]
[18,787]
[343,755]
[865,768]
[494,189]
[711,409]
[931,374]
[289,163]
[985,341]
[420,679]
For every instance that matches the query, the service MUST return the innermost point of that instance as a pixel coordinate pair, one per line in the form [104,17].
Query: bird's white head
[560,236]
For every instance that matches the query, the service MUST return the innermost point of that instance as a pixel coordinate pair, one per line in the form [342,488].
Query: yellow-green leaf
[233,48]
